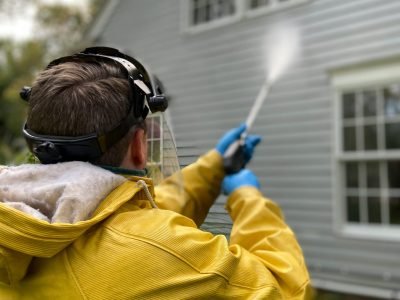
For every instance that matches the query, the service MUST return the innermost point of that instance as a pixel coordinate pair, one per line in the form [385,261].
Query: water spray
[282,48]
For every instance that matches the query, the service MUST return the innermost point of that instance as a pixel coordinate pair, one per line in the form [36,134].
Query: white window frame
[242,11]
[186,18]
[351,79]
[150,140]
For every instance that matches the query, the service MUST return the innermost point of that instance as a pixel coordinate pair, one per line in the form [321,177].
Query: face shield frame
[146,94]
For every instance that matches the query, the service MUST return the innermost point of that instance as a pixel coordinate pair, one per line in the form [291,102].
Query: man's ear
[136,156]
[139,149]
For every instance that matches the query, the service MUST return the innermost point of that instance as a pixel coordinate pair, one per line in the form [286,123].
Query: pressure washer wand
[234,157]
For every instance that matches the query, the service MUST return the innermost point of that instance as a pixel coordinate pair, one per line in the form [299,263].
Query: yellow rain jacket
[123,248]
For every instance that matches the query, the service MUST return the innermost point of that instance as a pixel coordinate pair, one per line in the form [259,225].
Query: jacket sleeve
[262,254]
[192,191]
[259,228]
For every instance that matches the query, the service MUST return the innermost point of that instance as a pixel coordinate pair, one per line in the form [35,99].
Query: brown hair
[79,98]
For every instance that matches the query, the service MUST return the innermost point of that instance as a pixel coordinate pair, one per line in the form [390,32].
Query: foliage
[59,29]
[17,66]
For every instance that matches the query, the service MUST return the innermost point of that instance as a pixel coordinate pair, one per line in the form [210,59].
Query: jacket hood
[43,208]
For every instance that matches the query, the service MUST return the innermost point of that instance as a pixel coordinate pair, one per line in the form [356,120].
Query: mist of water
[282,48]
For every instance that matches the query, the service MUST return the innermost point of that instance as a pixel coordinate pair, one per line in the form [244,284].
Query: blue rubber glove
[249,145]
[233,135]
[244,177]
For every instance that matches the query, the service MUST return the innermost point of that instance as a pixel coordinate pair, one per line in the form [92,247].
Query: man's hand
[244,177]
[233,135]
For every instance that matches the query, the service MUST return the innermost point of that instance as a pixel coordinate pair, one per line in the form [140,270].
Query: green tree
[17,64]
[59,30]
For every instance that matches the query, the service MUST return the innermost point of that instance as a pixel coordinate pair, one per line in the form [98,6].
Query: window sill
[370,232]
[261,11]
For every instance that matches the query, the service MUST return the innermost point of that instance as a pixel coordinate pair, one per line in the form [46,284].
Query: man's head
[86,95]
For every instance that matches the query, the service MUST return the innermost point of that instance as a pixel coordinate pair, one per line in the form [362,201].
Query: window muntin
[370,130]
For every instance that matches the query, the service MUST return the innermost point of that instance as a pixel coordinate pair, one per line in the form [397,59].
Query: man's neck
[123,171]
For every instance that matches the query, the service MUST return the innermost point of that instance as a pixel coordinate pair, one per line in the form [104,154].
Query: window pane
[370,137]
[196,12]
[352,175]
[349,105]
[219,9]
[349,138]
[204,11]
[392,100]
[207,12]
[369,103]
[156,151]
[153,127]
[392,133]
[195,16]
[156,128]
[199,12]
[394,210]
[231,7]
[394,174]
[258,3]
[373,178]
[253,3]
[374,210]
[353,209]
[149,151]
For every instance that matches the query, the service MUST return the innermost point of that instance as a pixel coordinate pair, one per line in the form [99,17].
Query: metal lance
[234,157]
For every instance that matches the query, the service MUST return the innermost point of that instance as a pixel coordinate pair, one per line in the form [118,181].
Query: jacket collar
[125,172]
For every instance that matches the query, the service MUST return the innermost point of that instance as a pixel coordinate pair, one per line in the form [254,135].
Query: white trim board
[375,74]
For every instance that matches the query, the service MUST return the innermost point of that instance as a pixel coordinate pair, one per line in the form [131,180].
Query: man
[71,229]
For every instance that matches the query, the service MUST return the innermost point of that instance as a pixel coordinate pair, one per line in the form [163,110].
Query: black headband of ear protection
[146,93]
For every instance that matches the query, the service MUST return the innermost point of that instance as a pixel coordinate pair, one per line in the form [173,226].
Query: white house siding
[214,77]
